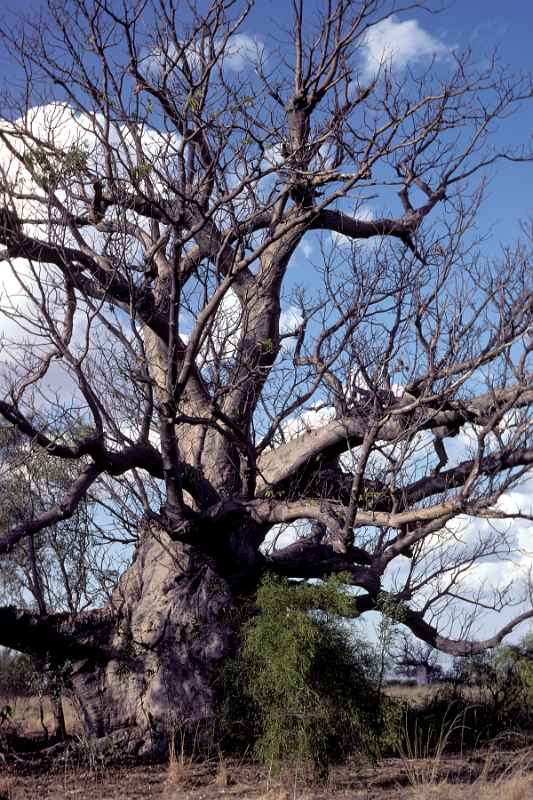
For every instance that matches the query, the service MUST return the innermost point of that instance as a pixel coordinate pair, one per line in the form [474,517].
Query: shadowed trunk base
[172,630]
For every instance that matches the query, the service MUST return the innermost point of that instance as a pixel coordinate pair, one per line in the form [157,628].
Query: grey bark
[147,663]
[156,675]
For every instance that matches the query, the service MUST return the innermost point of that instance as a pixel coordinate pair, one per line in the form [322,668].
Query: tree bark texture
[167,281]
[172,628]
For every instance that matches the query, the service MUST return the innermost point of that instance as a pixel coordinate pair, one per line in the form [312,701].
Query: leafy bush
[302,685]
[15,674]
[501,684]
[490,695]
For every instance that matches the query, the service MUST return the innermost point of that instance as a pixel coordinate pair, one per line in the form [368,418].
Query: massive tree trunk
[190,230]
[171,628]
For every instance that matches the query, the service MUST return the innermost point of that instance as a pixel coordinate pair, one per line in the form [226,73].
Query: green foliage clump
[49,167]
[488,696]
[304,679]
[15,674]
[501,682]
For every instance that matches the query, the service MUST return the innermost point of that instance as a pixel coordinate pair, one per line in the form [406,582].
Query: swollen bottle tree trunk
[171,627]
[176,216]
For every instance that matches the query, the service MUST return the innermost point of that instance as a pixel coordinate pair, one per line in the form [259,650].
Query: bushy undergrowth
[302,687]
[15,674]
[488,697]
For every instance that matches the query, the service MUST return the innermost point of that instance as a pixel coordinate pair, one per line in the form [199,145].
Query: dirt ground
[489,774]
[485,775]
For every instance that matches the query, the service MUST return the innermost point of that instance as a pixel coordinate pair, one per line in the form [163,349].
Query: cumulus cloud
[290,319]
[495,575]
[242,51]
[49,132]
[60,129]
[225,332]
[512,563]
[273,156]
[308,421]
[394,44]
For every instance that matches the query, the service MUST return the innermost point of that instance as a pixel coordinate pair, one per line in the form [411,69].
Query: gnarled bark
[178,240]
[155,676]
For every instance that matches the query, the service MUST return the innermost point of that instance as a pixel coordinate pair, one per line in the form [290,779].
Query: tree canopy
[246,295]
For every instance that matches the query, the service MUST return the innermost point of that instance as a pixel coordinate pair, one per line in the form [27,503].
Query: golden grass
[27,711]
[515,787]
[418,695]
[515,782]
[178,773]
[414,695]
[7,786]
[222,777]
[177,776]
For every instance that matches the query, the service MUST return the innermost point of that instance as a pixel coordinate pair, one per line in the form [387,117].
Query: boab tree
[209,309]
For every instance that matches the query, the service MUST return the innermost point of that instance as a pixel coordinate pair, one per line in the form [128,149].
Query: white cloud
[519,501]
[289,322]
[306,248]
[225,332]
[307,421]
[496,571]
[273,156]
[391,43]
[242,51]
[281,536]
[58,128]
[290,319]
[364,213]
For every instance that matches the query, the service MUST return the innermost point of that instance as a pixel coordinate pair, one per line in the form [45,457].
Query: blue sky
[481,25]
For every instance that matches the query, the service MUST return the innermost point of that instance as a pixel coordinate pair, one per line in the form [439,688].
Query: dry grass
[177,777]
[414,695]
[482,775]
[27,715]
[512,782]
[222,777]
[515,787]
[419,695]
[249,782]
[178,773]
[7,787]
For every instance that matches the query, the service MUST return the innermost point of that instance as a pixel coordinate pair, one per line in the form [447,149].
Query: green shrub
[501,690]
[302,686]
[391,730]
[15,674]
[490,697]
